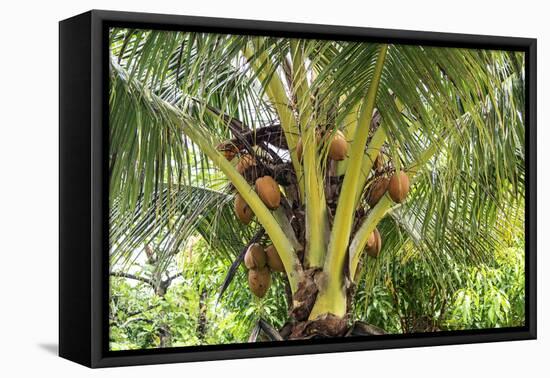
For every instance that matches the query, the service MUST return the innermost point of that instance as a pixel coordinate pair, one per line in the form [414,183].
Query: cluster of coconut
[268,191]
[266,186]
[397,187]
[337,150]
[260,263]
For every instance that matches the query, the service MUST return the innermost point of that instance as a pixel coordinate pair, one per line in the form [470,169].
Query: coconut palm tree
[375,148]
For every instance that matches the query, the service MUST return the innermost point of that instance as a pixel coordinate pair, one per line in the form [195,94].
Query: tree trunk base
[327,326]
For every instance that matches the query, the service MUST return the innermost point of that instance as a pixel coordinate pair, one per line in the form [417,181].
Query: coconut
[243,211]
[371,241]
[374,243]
[245,162]
[338,148]
[268,190]
[255,257]
[398,187]
[273,259]
[229,150]
[377,190]
[259,281]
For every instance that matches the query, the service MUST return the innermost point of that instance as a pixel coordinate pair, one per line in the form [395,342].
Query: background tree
[197,119]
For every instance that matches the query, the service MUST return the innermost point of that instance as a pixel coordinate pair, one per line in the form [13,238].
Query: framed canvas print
[233,188]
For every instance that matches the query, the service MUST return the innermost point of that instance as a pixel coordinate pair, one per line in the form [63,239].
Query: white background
[29,186]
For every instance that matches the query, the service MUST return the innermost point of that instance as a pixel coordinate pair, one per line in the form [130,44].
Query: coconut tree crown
[346,154]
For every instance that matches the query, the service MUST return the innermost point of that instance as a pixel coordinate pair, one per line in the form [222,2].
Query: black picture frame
[83,143]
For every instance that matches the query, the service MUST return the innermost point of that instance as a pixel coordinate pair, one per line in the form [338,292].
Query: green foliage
[493,296]
[404,299]
[139,318]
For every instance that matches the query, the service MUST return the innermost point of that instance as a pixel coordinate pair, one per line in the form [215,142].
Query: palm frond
[168,222]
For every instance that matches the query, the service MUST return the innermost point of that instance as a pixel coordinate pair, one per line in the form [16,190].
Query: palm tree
[450,119]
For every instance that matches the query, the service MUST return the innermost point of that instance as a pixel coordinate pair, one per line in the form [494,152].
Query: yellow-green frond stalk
[314,199]
[331,298]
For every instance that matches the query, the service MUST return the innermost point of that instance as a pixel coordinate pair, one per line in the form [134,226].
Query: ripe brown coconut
[377,190]
[374,243]
[273,259]
[228,150]
[243,211]
[255,257]
[268,190]
[259,281]
[338,148]
[398,187]
[245,162]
